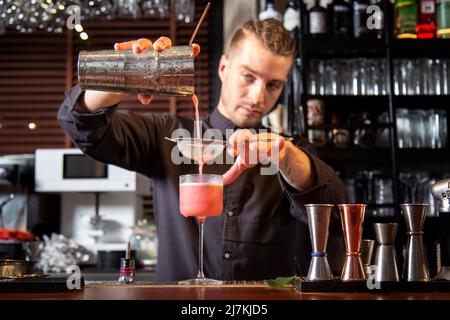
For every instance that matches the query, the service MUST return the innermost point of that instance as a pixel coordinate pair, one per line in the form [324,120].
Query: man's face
[252,80]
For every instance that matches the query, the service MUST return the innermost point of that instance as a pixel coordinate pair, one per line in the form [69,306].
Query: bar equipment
[352,217]
[199,149]
[13,269]
[2,204]
[170,72]
[16,192]
[441,192]
[100,203]
[416,264]
[367,246]
[318,221]
[205,149]
[385,258]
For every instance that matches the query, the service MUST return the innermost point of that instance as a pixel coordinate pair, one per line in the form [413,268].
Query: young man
[255,237]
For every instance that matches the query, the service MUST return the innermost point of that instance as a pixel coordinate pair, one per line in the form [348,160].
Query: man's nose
[257,92]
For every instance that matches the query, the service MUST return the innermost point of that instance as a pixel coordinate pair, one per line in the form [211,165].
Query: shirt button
[230,213]
[227,255]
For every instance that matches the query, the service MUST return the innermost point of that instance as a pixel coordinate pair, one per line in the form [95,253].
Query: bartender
[255,236]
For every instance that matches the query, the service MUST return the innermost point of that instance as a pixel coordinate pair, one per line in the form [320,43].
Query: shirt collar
[219,121]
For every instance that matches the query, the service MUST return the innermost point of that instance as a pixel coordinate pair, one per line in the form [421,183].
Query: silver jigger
[385,257]
[352,218]
[319,221]
[170,72]
[416,264]
[367,246]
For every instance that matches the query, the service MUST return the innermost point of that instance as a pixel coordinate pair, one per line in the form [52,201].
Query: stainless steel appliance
[441,192]
[100,203]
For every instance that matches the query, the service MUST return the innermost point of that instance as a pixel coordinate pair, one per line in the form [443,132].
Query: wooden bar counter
[225,292]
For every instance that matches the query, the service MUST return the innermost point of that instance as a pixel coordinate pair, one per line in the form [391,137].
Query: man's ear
[223,65]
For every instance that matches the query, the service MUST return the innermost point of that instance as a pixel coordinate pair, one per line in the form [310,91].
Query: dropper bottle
[127,268]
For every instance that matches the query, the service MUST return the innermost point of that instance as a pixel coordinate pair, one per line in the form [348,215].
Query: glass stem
[200,250]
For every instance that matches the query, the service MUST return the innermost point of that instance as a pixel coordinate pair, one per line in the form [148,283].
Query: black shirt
[253,238]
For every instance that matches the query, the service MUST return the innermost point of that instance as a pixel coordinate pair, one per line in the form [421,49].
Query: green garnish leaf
[281,281]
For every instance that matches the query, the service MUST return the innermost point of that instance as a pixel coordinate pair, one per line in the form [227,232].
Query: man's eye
[274,86]
[247,77]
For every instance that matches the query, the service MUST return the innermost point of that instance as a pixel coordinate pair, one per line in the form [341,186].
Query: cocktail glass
[201,196]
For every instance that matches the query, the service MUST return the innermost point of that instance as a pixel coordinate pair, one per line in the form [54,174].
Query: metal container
[319,221]
[352,218]
[16,268]
[385,258]
[367,246]
[170,72]
[416,264]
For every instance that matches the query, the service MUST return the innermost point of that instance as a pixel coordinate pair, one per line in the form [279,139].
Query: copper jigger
[352,218]
[170,72]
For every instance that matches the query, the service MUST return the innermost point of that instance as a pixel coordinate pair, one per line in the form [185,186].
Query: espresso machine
[100,203]
[441,192]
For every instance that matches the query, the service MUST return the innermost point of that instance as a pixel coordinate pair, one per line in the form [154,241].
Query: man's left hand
[251,149]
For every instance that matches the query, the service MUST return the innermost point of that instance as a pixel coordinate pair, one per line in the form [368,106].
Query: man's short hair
[270,33]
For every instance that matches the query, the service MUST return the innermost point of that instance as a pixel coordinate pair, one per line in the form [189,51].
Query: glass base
[200,282]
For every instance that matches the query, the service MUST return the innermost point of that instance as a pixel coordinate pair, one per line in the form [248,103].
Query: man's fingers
[280,143]
[196,49]
[124,45]
[137,45]
[162,43]
[145,99]
[234,172]
[141,45]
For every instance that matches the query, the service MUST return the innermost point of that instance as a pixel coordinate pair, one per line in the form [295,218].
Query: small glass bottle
[426,24]
[316,117]
[341,22]
[270,12]
[443,19]
[405,12]
[317,17]
[127,268]
[291,17]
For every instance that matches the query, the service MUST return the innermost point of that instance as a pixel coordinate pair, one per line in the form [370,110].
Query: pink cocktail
[201,200]
[201,196]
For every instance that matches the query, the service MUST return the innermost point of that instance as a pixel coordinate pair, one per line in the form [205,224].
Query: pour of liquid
[198,134]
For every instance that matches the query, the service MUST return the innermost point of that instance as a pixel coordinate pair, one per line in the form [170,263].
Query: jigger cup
[319,221]
[416,264]
[385,258]
[170,72]
[352,218]
[367,246]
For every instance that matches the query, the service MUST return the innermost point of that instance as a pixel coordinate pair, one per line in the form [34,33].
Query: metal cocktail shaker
[170,72]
